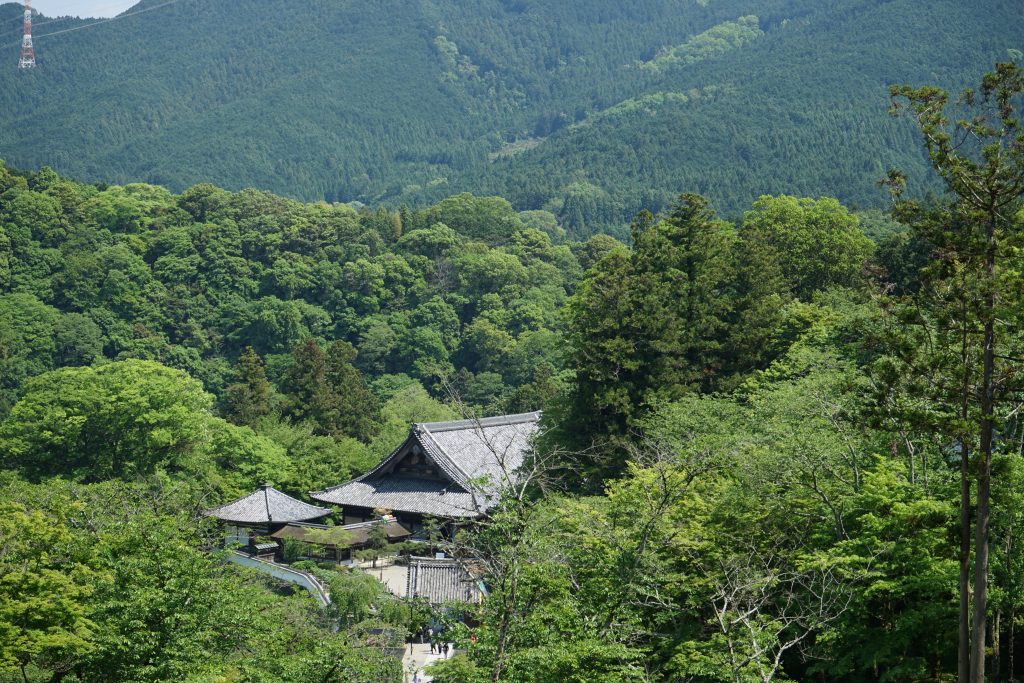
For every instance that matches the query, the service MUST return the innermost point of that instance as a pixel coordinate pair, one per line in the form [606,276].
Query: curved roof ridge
[475,459]
[374,470]
[483,422]
[315,495]
[432,449]
[266,500]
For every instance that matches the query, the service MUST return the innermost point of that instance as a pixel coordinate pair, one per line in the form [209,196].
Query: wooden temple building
[452,471]
[261,513]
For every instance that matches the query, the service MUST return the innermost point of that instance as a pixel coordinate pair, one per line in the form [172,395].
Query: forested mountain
[591,110]
[465,292]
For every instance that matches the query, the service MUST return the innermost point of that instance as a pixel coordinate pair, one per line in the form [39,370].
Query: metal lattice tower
[28,53]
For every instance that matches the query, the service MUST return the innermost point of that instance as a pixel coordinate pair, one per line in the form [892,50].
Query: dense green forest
[774,447]
[592,111]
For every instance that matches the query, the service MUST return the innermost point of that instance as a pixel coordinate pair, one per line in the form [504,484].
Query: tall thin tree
[981,161]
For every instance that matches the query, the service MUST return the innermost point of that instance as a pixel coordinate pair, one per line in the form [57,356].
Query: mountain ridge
[407,102]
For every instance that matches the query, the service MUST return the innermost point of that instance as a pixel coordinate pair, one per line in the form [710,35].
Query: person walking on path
[445,649]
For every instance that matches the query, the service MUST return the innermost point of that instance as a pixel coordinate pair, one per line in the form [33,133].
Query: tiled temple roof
[267,505]
[440,581]
[474,461]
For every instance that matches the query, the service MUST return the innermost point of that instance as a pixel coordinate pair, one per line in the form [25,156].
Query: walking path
[284,573]
[394,578]
[418,656]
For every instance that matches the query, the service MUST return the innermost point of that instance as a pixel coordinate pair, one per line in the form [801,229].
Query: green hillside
[801,109]
[593,110]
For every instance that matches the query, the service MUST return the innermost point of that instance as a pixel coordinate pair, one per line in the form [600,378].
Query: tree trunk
[997,664]
[1009,646]
[964,644]
[985,466]
[503,630]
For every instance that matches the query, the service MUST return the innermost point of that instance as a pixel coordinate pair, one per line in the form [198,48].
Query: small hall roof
[267,505]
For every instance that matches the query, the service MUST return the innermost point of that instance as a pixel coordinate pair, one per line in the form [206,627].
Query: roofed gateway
[449,470]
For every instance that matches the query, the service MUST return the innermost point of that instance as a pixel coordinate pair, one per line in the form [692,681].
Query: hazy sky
[81,8]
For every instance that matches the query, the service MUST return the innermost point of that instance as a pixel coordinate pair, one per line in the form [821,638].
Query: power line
[42,23]
[16,18]
[109,19]
[103,21]
[66,17]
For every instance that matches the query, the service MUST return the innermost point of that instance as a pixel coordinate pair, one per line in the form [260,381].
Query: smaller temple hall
[263,512]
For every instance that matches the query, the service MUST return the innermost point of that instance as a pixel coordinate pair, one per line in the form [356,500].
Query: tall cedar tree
[326,390]
[304,383]
[354,411]
[608,386]
[648,325]
[248,398]
[683,279]
[762,295]
[981,160]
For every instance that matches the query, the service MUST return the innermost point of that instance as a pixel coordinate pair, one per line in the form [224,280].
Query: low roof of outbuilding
[441,580]
[348,536]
